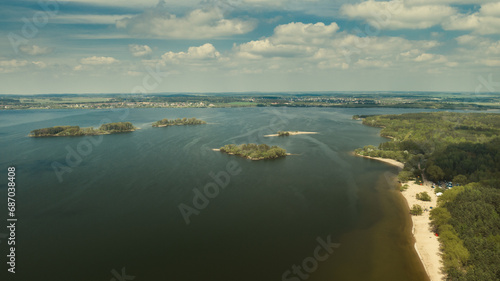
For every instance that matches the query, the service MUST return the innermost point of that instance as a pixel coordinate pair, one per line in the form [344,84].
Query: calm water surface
[119,206]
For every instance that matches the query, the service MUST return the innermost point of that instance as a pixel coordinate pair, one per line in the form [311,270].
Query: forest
[462,148]
[254,151]
[74,131]
[117,127]
[178,122]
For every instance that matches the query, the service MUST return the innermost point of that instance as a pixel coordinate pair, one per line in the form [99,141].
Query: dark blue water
[112,202]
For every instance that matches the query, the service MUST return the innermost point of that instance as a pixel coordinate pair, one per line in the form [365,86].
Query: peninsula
[253,151]
[74,131]
[454,157]
[178,122]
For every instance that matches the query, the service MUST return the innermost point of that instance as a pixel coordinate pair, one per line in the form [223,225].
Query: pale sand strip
[385,160]
[426,243]
[294,134]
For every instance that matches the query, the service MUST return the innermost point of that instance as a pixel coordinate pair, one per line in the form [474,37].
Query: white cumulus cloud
[289,40]
[397,14]
[204,52]
[8,66]
[300,33]
[321,46]
[94,60]
[34,50]
[197,24]
[485,21]
[140,50]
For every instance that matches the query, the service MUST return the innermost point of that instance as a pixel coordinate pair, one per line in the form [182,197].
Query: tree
[416,210]
[118,127]
[254,151]
[435,173]
[460,180]
[405,176]
[424,196]
[439,216]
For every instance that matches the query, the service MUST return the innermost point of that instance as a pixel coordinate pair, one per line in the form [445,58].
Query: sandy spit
[294,134]
[426,242]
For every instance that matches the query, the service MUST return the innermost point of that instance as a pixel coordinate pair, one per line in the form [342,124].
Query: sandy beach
[426,242]
[385,160]
[294,134]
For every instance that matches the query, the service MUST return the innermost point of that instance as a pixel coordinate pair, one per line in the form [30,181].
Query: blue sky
[132,46]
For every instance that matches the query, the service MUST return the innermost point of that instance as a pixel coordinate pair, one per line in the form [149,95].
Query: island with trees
[74,131]
[254,151]
[290,133]
[178,122]
[461,153]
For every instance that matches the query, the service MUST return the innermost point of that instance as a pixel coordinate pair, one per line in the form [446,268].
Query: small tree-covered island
[178,122]
[74,131]
[290,133]
[254,151]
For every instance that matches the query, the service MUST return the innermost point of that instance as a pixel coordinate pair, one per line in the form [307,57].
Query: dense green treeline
[443,145]
[477,162]
[117,127]
[449,127]
[465,149]
[66,131]
[178,122]
[468,223]
[254,151]
[58,130]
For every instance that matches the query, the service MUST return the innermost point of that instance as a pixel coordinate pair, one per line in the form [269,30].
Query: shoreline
[84,135]
[426,243]
[392,162]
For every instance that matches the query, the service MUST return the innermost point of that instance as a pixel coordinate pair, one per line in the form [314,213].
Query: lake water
[115,205]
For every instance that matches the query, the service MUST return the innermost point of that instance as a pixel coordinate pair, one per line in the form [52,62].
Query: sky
[171,46]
